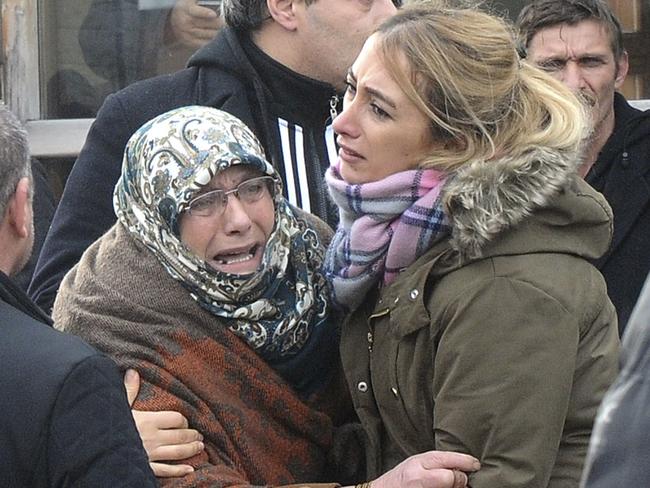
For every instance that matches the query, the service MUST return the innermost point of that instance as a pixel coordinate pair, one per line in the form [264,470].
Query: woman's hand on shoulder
[432,469]
[165,435]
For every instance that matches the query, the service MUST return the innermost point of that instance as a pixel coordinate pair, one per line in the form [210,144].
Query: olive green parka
[499,342]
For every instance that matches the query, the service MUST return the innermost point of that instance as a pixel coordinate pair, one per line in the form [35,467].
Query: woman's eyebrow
[373,91]
[384,98]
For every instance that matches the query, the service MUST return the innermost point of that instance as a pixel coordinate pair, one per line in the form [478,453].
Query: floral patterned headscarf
[282,309]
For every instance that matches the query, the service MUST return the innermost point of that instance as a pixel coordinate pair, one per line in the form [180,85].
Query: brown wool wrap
[256,430]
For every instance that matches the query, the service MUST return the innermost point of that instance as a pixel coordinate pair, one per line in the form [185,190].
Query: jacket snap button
[414,294]
[362,386]
[394,390]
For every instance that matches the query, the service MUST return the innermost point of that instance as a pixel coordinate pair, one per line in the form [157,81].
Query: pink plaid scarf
[384,227]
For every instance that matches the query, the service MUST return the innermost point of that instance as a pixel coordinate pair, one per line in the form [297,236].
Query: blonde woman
[478,324]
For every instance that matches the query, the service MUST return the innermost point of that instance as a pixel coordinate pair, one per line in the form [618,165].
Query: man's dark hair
[14,156]
[246,15]
[540,14]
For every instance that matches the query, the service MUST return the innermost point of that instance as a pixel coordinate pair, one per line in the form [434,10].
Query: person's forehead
[370,69]
[569,40]
[231,177]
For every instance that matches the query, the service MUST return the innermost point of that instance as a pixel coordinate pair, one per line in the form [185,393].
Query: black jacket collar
[621,170]
[627,120]
[233,52]
[14,296]
[303,98]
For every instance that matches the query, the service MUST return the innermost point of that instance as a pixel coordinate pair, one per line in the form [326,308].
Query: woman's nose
[344,124]
[236,217]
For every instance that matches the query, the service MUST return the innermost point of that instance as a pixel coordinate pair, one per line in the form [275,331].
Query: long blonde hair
[466,76]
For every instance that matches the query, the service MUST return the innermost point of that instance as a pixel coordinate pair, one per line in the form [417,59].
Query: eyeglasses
[214,203]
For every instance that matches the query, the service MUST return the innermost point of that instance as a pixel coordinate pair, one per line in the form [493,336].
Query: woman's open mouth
[236,256]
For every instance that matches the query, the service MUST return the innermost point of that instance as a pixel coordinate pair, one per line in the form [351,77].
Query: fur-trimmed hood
[485,199]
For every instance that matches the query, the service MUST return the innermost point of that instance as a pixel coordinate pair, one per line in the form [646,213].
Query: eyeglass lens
[215,202]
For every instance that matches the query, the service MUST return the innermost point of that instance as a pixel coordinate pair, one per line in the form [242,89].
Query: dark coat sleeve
[85,211]
[619,446]
[93,441]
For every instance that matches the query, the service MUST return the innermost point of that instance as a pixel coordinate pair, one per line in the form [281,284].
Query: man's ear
[284,12]
[622,68]
[19,210]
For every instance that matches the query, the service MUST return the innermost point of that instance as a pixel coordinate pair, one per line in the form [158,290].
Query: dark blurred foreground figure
[620,443]
[580,43]
[478,323]
[65,418]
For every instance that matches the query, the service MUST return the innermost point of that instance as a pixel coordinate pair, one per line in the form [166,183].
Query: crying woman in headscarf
[210,285]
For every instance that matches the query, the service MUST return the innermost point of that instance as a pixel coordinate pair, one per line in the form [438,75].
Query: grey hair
[14,156]
[244,15]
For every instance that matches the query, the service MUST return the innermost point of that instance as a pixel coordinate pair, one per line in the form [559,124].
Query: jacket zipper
[370,336]
[334,103]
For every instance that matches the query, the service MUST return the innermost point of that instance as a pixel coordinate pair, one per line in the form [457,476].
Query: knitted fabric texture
[256,429]
[384,226]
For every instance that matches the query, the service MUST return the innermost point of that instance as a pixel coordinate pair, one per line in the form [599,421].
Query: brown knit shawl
[256,430]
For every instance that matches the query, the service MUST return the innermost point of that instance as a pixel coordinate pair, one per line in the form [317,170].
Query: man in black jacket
[581,44]
[278,65]
[65,418]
